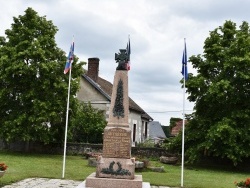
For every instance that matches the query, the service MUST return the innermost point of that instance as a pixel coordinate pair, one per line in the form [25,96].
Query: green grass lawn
[23,166]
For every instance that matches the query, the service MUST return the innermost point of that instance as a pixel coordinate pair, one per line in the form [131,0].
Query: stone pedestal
[117,168]
[94,182]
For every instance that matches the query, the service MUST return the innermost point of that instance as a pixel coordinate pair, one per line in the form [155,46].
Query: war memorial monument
[115,168]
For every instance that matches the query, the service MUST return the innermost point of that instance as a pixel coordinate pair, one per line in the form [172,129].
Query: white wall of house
[144,130]
[139,128]
[87,93]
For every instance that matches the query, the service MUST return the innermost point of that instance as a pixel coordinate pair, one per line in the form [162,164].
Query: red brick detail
[93,68]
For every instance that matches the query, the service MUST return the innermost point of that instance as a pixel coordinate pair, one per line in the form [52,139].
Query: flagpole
[67,67]
[66,127]
[183,114]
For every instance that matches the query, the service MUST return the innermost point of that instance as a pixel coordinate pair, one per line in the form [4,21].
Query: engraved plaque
[116,143]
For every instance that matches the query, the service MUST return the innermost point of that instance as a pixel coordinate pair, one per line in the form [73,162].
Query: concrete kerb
[50,183]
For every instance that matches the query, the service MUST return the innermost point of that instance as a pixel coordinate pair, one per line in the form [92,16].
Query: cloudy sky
[157,29]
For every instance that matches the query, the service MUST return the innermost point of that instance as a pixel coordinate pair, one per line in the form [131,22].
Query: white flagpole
[183,114]
[71,55]
[66,126]
[183,132]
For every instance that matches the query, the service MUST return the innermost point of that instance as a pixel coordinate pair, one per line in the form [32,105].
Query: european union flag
[184,63]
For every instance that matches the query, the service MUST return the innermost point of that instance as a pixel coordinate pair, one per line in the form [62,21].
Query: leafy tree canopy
[88,124]
[221,92]
[33,88]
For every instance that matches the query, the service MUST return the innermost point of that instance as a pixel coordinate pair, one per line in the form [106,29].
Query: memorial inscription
[116,143]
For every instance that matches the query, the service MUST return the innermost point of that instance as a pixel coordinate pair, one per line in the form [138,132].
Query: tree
[88,124]
[173,121]
[166,130]
[33,88]
[221,91]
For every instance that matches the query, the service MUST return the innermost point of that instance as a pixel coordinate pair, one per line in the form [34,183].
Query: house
[156,132]
[177,128]
[97,91]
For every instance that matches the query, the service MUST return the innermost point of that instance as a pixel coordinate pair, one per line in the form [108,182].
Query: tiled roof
[177,128]
[105,87]
[155,130]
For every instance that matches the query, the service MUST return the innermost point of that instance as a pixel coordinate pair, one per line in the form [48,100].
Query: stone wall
[149,152]
[32,147]
[76,149]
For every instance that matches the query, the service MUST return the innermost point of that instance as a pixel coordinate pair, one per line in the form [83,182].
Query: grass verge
[21,166]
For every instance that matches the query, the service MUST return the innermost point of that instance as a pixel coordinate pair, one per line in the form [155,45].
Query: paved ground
[50,183]
[44,183]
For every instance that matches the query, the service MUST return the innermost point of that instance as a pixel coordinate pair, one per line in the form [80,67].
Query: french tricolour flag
[69,59]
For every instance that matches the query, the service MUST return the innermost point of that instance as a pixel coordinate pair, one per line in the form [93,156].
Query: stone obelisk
[116,168]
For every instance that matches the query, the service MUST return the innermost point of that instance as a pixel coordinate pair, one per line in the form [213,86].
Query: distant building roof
[155,130]
[177,128]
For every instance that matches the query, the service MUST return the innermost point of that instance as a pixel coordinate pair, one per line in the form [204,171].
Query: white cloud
[156,28]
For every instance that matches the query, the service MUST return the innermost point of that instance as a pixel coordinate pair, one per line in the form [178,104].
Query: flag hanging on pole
[128,51]
[69,59]
[184,63]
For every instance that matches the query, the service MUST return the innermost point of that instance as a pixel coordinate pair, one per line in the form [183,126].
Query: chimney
[93,68]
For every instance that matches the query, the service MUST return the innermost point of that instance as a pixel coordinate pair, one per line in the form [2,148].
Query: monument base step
[144,185]
[94,182]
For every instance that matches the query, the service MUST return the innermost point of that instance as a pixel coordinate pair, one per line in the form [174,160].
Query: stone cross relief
[121,58]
